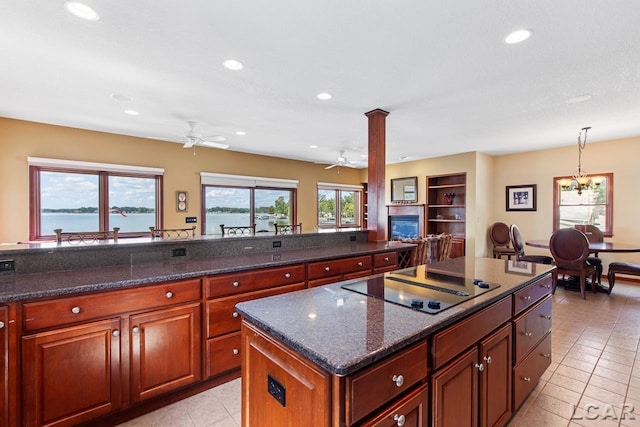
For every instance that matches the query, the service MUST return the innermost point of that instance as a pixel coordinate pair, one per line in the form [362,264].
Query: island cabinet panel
[235,283]
[5,357]
[530,327]
[381,383]
[528,372]
[455,392]
[531,294]
[495,379]
[387,261]
[279,387]
[469,331]
[166,350]
[410,411]
[324,272]
[71,375]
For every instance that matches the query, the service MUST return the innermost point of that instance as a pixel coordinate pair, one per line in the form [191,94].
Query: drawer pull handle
[527,379]
[528,334]
[360,264]
[135,329]
[480,367]
[235,314]
[236,351]
[386,258]
[487,359]
[287,275]
[547,355]
[398,379]
[75,310]
[526,298]
[327,269]
[169,294]
[115,333]
[236,284]
[399,419]
[546,316]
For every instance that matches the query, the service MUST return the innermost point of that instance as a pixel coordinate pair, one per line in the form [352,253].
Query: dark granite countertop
[343,331]
[21,287]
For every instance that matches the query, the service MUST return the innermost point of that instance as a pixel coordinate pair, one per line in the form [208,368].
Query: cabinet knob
[75,310]
[135,329]
[546,316]
[527,379]
[399,419]
[386,258]
[1,324]
[327,269]
[236,351]
[480,367]
[360,264]
[235,314]
[169,294]
[528,334]
[398,379]
[487,359]
[287,275]
[236,284]
[547,355]
[115,333]
[546,286]
[526,298]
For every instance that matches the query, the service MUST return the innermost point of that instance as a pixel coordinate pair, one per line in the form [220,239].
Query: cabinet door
[165,350]
[4,358]
[71,375]
[455,392]
[410,411]
[495,379]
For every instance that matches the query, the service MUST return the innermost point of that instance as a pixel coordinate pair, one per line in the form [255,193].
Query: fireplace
[406,221]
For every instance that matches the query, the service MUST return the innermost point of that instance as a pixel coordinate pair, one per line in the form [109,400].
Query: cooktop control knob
[417,303]
[483,285]
[476,281]
[434,304]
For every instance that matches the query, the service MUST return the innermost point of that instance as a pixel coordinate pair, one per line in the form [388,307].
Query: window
[82,196]
[239,201]
[594,204]
[339,205]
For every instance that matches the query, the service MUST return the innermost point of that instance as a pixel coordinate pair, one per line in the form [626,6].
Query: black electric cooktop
[422,290]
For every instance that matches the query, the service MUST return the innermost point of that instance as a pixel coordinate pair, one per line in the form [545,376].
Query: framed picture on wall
[182,202]
[520,267]
[521,197]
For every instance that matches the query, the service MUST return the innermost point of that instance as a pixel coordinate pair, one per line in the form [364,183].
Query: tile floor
[594,379]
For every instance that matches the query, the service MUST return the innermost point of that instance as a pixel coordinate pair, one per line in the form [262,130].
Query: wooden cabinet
[331,271]
[387,261]
[4,366]
[74,371]
[476,385]
[410,411]
[446,208]
[222,321]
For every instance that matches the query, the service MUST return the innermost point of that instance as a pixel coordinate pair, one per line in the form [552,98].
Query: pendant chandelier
[580,180]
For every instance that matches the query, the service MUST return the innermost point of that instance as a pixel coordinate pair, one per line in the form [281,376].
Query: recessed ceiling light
[518,36]
[578,99]
[241,133]
[313,146]
[324,96]
[81,10]
[232,64]
[131,112]
[120,97]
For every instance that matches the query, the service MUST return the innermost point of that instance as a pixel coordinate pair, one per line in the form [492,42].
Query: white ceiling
[441,68]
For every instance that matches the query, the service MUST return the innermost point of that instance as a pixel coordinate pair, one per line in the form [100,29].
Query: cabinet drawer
[44,314]
[222,315]
[234,283]
[321,269]
[223,354]
[531,294]
[465,333]
[409,411]
[387,259]
[527,374]
[385,380]
[530,327]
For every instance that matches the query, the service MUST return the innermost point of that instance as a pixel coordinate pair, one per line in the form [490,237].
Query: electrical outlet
[7,265]
[352,238]
[191,219]
[277,244]
[179,252]
[277,390]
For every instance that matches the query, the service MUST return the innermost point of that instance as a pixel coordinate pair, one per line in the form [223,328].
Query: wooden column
[377,224]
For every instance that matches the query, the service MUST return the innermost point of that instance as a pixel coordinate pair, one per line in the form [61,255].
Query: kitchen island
[329,356]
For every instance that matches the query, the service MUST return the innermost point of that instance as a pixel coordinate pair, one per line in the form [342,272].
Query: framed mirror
[404,190]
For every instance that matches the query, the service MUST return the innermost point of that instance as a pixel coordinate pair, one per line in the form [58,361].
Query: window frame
[338,189]
[35,219]
[557,188]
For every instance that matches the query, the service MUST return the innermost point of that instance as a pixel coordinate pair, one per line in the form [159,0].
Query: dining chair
[595,235]
[570,250]
[172,233]
[518,246]
[499,235]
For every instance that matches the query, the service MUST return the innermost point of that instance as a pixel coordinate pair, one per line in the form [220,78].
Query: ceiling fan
[193,138]
[341,160]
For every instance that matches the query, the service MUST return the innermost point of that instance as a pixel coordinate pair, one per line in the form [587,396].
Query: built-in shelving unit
[446,213]
[365,206]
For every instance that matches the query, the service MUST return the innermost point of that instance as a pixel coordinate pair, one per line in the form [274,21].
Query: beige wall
[20,139]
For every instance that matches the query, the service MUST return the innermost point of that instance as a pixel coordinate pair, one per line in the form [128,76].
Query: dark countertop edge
[366,248]
[359,363]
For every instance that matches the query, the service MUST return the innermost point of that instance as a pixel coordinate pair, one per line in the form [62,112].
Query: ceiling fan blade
[189,143]
[331,166]
[212,144]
